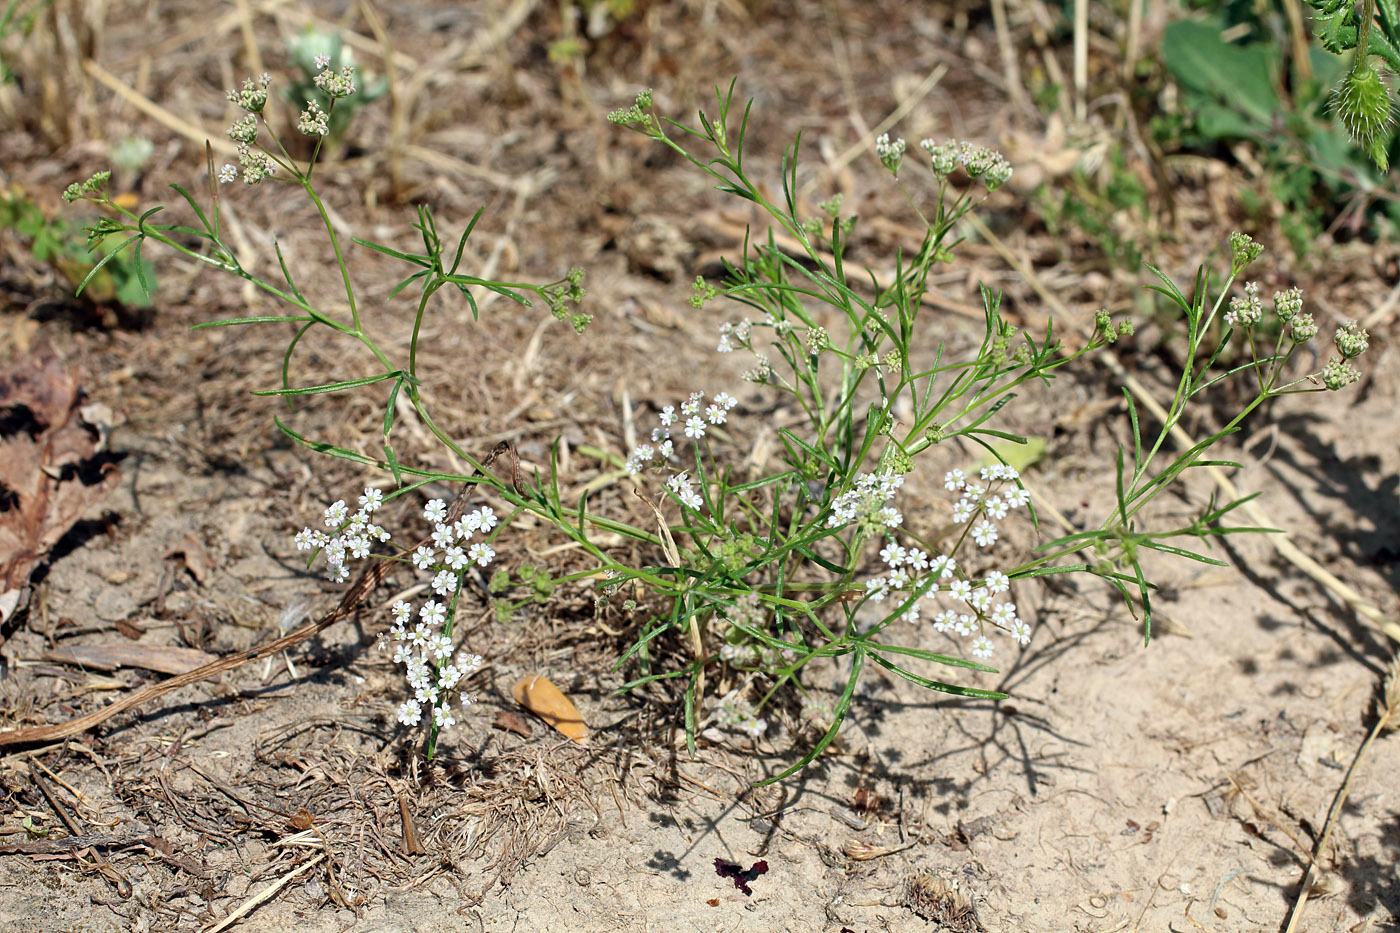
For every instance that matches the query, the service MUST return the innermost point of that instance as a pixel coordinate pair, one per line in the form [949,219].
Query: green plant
[1231,92]
[757,574]
[114,276]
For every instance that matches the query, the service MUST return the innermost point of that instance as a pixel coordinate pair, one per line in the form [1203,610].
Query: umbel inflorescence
[435,667]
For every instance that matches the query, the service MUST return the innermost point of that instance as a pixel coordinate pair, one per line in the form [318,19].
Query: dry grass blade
[263,895]
[1389,718]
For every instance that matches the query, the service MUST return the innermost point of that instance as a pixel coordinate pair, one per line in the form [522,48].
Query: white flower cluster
[734,711]
[1246,311]
[867,503]
[350,537]
[911,569]
[424,647]
[695,418]
[978,161]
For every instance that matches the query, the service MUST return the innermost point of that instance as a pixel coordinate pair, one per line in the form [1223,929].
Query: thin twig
[1389,713]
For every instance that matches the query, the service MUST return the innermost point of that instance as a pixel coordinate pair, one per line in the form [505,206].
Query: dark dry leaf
[742,877]
[50,469]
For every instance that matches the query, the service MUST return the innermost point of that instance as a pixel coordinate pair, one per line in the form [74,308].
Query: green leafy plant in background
[1231,92]
[111,274]
[1362,97]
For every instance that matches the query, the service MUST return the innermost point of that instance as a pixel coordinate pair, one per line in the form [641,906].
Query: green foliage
[533,586]
[122,279]
[1098,210]
[1230,91]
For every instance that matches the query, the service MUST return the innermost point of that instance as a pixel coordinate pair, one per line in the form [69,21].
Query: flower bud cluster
[336,84]
[253,96]
[977,161]
[314,121]
[94,189]
[1246,311]
[1243,251]
[891,153]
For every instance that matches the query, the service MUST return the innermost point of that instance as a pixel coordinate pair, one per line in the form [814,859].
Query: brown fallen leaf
[165,660]
[197,560]
[542,698]
[510,721]
[50,469]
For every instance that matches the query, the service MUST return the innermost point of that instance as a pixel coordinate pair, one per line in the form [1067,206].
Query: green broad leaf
[1019,456]
[1233,80]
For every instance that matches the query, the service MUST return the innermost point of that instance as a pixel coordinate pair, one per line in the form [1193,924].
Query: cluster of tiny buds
[977,161]
[890,153]
[911,569]
[694,419]
[1243,251]
[335,84]
[314,121]
[252,98]
[734,711]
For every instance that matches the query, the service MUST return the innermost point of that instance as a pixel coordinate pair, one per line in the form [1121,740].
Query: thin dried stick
[1389,713]
[263,895]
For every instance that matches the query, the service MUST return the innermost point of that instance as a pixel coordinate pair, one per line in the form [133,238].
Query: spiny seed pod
[1362,103]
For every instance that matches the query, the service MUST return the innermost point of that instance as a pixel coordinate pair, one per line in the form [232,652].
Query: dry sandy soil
[1177,786]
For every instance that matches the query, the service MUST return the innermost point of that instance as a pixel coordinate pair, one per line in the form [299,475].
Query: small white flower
[691,499]
[893,555]
[995,507]
[973,492]
[916,559]
[954,480]
[1021,632]
[401,610]
[455,558]
[443,536]
[462,528]
[322,61]
[961,589]
[469,663]
[486,518]
[962,511]
[899,578]
[965,625]
[228,172]
[403,654]
[981,598]
[691,406]
[336,513]
[890,517]
[467,700]
[982,647]
[372,499]
[727,400]
[421,634]
[945,567]
[303,539]
[1016,497]
[424,557]
[435,511]
[410,713]
[694,427]
[998,582]
[1003,613]
[442,647]
[911,615]
[433,612]
[357,546]
[984,533]
[481,553]
[877,588]
[337,573]
[944,620]
[716,415]
[445,582]
[442,716]
[668,415]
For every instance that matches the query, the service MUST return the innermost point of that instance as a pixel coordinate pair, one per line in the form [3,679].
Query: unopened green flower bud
[897,461]
[1338,374]
[1302,328]
[253,96]
[244,131]
[95,185]
[1243,251]
[818,341]
[1351,340]
[831,207]
[1126,328]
